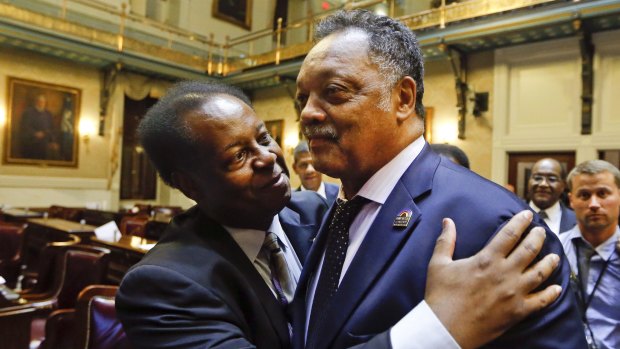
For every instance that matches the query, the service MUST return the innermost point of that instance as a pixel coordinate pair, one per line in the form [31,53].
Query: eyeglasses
[537,178]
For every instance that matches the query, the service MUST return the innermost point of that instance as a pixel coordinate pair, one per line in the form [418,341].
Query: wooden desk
[19,215]
[41,231]
[125,252]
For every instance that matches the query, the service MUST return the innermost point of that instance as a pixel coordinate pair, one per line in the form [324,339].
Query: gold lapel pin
[402,219]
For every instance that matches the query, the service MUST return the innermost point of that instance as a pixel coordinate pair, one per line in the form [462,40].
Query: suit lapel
[381,243]
[312,261]
[223,243]
[300,235]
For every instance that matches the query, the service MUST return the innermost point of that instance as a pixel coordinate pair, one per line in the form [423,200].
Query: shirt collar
[381,184]
[251,240]
[553,212]
[605,250]
[320,191]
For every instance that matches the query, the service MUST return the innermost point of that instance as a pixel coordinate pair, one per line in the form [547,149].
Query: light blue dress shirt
[603,313]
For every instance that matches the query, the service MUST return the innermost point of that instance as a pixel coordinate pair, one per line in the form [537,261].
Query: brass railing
[262,47]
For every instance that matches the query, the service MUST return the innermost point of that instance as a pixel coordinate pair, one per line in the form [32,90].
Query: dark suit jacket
[197,289]
[387,277]
[331,192]
[568,220]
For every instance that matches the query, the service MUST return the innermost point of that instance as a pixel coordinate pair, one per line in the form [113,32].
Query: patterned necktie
[543,215]
[585,256]
[335,253]
[274,270]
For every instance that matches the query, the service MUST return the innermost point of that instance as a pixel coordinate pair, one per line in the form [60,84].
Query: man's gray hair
[392,46]
[592,167]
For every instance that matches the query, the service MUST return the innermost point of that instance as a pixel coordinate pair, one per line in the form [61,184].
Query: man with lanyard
[592,250]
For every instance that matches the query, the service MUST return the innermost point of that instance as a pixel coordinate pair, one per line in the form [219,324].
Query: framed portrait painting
[42,121]
[238,12]
[276,130]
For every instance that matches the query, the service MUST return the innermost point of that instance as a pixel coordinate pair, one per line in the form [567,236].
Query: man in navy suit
[203,284]
[360,92]
[311,179]
[545,188]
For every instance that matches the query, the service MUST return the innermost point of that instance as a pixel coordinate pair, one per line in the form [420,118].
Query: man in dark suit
[311,179]
[360,92]
[545,188]
[203,284]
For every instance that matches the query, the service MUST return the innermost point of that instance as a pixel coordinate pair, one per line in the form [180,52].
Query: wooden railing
[258,48]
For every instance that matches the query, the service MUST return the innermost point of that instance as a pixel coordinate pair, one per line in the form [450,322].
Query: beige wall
[25,185]
[440,93]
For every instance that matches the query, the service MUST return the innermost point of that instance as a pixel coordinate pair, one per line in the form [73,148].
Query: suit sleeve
[160,308]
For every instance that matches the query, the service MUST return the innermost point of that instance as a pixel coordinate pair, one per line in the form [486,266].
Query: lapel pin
[402,219]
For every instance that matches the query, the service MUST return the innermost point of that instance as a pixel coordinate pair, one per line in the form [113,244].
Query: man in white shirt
[360,93]
[545,188]
[593,249]
[311,179]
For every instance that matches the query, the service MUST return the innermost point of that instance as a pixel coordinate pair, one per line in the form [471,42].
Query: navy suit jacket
[197,289]
[387,277]
[568,220]
[331,192]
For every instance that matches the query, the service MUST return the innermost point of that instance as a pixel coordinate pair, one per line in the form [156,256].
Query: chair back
[40,280]
[96,321]
[78,267]
[134,225]
[11,244]
[68,213]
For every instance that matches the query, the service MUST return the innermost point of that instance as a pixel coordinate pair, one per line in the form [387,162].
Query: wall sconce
[290,141]
[2,117]
[87,129]
[446,132]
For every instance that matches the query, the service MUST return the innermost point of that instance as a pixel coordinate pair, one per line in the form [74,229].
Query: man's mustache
[319,131]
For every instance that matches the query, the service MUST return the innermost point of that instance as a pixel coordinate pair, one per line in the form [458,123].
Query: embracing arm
[472,301]
[160,308]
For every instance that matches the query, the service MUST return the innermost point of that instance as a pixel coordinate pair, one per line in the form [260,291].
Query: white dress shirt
[420,328]
[251,241]
[554,214]
[320,191]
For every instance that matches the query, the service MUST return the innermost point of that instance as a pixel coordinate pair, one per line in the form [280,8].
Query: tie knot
[586,249]
[542,214]
[271,243]
[348,209]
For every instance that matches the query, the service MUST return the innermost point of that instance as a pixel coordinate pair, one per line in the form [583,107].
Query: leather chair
[38,280]
[11,244]
[134,225]
[59,330]
[67,213]
[91,325]
[75,267]
[96,322]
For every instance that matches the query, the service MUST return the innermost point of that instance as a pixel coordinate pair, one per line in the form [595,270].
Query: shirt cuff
[420,328]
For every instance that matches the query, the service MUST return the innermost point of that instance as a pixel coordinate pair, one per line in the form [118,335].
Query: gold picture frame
[276,130]
[237,12]
[42,121]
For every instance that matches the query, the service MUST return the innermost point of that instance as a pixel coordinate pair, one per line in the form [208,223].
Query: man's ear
[406,90]
[570,200]
[185,184]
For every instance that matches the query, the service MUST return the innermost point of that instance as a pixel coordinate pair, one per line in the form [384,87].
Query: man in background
[545,188]
[311,179]
[452,153]
[593,247]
